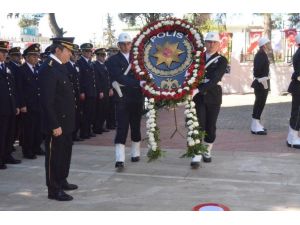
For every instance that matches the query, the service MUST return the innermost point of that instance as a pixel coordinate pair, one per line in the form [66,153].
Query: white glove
[264,81]
[116,86]
[260,80]
[298,78]
[195,91]
[142,83]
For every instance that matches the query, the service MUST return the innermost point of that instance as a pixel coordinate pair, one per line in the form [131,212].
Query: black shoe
[29,156]
[119,165]
[97,131]
[195,165]
[293,146]
[105,130]
[69,187]
[84,137]
[111,127]
[92,135]
[206,159]
[259,132]
[11,160]
[135,159]
[60,196]
[77,139]
[40,152]
[3,166]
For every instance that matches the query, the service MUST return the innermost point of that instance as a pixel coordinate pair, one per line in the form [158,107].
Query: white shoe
[293,140]
[135,151]
[257,128]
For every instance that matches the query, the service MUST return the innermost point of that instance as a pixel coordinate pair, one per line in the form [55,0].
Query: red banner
[253,39]
[225,42]
[290,35]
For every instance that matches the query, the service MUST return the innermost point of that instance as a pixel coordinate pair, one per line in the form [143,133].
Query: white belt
[205,80]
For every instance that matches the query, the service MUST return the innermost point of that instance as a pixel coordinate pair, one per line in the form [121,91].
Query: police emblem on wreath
[168,56]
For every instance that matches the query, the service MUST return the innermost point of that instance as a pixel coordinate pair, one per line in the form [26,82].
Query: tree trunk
[275,90]
[57,32]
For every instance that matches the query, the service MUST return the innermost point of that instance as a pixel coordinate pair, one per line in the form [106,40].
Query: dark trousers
[128,114]
[88,116]
[13,133]
[32,133]
[207,117]
[260,102]
[111,120]
[6,136]
[57,160]
[295,112]
[77,120]
[102,107]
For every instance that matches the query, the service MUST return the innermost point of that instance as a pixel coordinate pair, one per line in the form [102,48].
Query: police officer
[88,91]
[208,95]
[30,106]
[293,139]
[129,102]
[59,118]
[73,70]
[104,91]
[14,64]
[111,120]
[261,85]
[8,109]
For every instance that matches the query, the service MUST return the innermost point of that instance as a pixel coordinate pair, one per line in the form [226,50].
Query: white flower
[196,132]
[197,141]
[179,90]
[151,100]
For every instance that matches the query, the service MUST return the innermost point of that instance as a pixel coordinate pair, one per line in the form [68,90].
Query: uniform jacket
[294,86]
[29,88]
[260,69]
[87,78]
[7,93]
[102,78]
[210,91]
[57,97]
[14,67]
[117,65]
[74,73]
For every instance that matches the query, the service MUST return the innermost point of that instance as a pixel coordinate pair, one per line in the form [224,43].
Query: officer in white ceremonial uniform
[129,101]
[208,95]
[293,139]
[261,85]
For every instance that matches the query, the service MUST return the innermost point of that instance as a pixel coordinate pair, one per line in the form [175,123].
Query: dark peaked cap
[67,42]
[32,49]
[4,46]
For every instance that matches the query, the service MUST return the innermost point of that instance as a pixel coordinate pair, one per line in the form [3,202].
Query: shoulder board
[50,63]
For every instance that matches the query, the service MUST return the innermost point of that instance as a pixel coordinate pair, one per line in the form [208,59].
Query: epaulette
[50,63]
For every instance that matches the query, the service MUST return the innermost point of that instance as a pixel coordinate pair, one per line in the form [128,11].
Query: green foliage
[109,33]
[133,19]
[29,20]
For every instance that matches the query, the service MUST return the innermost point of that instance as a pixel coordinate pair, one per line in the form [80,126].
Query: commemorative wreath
[168,56]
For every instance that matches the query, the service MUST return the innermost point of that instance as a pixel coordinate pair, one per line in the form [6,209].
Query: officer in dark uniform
[129,102]
[111,120]
[14,64]
[293,139]
[208,99]
[73,70]
[88,90]
[8,109]
[104,90]
[30,106]
[44,55]
[261,85]
[58,118]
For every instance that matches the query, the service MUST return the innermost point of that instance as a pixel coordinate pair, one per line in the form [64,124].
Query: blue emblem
[168,55]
